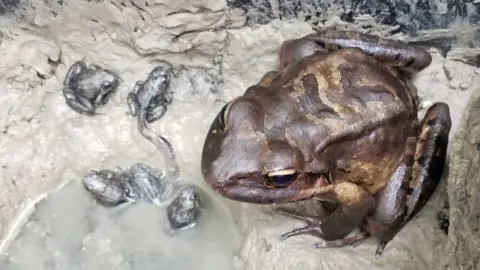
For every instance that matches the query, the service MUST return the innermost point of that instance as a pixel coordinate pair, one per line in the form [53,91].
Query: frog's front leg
[355,204]
[416,178]
[395,53]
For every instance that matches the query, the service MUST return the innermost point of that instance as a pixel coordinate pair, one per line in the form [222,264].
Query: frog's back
[342,91]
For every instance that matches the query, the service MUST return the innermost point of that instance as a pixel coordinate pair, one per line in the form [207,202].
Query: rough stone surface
[411,16]
[464,192]
[455,22]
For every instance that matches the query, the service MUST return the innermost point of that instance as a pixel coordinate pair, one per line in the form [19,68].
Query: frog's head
[159,78]
[242,162]
[160,73]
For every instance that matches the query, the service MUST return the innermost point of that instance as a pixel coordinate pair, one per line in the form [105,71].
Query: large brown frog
[338,122]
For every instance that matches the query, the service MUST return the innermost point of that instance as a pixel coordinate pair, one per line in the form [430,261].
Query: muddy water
[70,231]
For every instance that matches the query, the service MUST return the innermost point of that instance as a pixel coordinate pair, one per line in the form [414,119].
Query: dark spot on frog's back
[311,101]
[368,81]
[310,85]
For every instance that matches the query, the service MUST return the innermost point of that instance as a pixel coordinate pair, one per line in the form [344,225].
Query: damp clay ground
[47,220]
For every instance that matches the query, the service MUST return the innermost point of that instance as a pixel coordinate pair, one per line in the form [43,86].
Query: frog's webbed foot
[78,103]
[395,53]
[314,228]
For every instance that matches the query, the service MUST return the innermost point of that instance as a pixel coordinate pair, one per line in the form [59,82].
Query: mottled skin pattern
[140,182]
[148,102]
[149,99]
[338,122]
[85,88]
[184,211]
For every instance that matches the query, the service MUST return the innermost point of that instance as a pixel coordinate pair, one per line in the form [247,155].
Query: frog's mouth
[253,190]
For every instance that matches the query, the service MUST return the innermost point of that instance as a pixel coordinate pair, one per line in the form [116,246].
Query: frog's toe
[381,246]
[312,229]
[353,240]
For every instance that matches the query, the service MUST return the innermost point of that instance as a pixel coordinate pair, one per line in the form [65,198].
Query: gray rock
[464,192]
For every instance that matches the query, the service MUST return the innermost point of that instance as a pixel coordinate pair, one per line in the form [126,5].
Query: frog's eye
[106,84]
[222,116]
[281,178]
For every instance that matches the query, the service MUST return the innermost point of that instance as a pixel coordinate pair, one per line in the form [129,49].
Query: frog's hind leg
[430,156]
[395,53]
[416,178]
[355,204]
